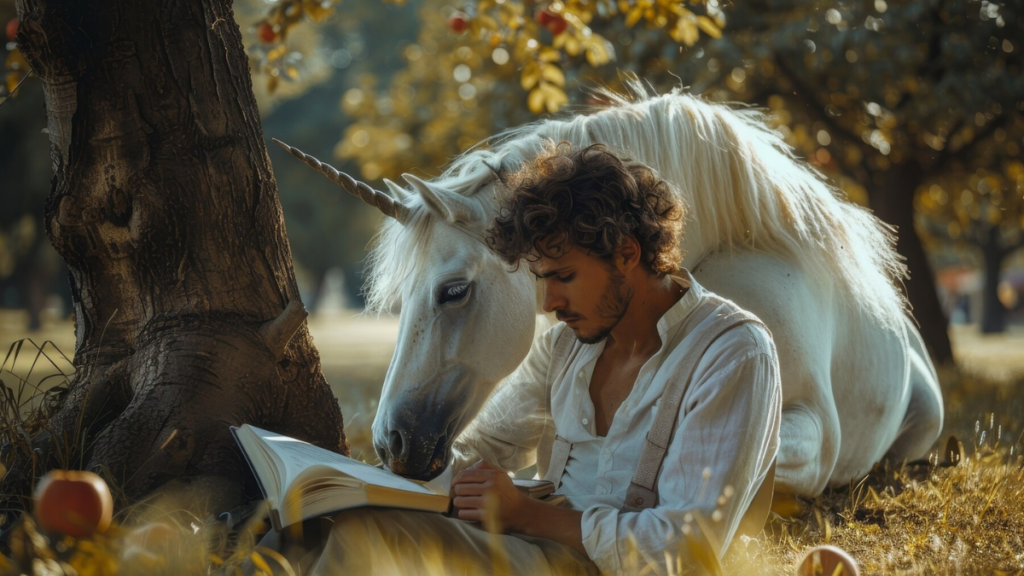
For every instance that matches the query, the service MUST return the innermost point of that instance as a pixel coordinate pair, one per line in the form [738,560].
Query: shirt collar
[681,309]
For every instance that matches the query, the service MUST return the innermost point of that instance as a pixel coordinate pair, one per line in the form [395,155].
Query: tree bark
[165,208]
[893,202]
[993,313]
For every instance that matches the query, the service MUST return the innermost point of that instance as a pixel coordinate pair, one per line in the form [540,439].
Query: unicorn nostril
[398,444]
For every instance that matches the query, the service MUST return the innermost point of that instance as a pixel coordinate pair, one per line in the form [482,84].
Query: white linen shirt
[724,440]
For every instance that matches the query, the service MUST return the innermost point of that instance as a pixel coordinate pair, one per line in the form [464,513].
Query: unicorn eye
[452,293]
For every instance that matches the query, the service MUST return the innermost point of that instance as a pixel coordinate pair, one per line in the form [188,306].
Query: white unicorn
[762,229]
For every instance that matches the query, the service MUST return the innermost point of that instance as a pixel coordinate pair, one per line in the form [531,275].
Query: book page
[299,455]
[442,483]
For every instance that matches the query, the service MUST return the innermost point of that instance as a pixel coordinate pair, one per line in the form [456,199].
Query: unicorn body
[762,229]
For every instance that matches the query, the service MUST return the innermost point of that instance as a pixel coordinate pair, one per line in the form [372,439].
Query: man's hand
[482,485]
[485,493]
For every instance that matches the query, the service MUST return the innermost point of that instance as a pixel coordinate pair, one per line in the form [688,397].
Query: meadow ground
[967,519]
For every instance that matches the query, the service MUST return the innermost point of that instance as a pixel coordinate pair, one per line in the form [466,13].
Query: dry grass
[925,519]
[966,519]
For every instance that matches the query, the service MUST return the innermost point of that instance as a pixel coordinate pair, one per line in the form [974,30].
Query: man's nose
[552,300]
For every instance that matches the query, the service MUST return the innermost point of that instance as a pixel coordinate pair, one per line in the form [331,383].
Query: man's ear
[628,253]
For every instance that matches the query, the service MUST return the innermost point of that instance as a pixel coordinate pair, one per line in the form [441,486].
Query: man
[603,235]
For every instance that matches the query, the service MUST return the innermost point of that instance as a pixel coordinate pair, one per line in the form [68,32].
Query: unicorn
[763,229]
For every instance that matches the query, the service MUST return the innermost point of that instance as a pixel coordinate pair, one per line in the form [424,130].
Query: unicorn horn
[386,204]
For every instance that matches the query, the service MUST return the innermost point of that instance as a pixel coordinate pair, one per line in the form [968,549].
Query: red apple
[557,25]
[458,22]
[266,33]
[543,16]
[12,29]
[826,560]
[73,502]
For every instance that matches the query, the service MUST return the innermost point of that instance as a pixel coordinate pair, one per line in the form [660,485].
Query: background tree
[166,211]
[980,205]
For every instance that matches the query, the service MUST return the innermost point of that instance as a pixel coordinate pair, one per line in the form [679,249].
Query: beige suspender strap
[641,493]
[559,447]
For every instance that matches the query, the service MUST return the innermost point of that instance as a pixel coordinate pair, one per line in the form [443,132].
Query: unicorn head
[466,319]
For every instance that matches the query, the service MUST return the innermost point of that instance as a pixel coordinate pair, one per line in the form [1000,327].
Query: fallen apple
[73,502]
[827,561]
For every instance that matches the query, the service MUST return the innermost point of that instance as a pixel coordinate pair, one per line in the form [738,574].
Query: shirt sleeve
[509,427]
[726,437]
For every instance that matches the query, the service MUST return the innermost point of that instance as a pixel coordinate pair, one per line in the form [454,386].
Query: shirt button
[586,421]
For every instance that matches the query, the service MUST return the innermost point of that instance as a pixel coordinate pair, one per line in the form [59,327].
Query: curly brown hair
[592,199]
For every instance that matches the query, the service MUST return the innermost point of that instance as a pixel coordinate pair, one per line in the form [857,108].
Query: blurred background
[913,108]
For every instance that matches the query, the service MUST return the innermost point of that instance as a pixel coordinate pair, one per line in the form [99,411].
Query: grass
[966,519]
[925,519]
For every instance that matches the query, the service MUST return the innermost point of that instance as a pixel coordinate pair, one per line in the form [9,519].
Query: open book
[302,481]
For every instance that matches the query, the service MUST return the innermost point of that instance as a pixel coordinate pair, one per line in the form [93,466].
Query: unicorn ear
[450,206]
[399,193]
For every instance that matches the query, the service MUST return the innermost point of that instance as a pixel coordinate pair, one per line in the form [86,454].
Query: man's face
[588,293]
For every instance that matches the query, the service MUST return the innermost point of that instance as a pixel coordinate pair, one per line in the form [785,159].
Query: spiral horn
[386,204]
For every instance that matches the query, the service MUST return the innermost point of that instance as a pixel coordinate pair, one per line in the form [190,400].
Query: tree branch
[946,156]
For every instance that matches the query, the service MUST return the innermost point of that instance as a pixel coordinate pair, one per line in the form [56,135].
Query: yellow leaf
[277,52]
[708,26]
[634,16]
[549,54]
[554,97]
[317,13]
[530,75]
[487,21]
[292,72]
[535,101]
[599,51]
[553,74]
[572,45]
[685,31]
[272,84]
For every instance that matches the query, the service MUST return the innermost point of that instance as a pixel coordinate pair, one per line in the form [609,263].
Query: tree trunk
[993,313]
[893,202]
[164,206]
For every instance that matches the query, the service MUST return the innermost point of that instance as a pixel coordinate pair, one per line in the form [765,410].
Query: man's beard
[612,307]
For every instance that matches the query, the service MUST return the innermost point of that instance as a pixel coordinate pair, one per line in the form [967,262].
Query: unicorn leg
[922,423]
[807,450]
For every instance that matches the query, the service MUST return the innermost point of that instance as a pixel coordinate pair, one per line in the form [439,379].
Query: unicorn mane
[740,183]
